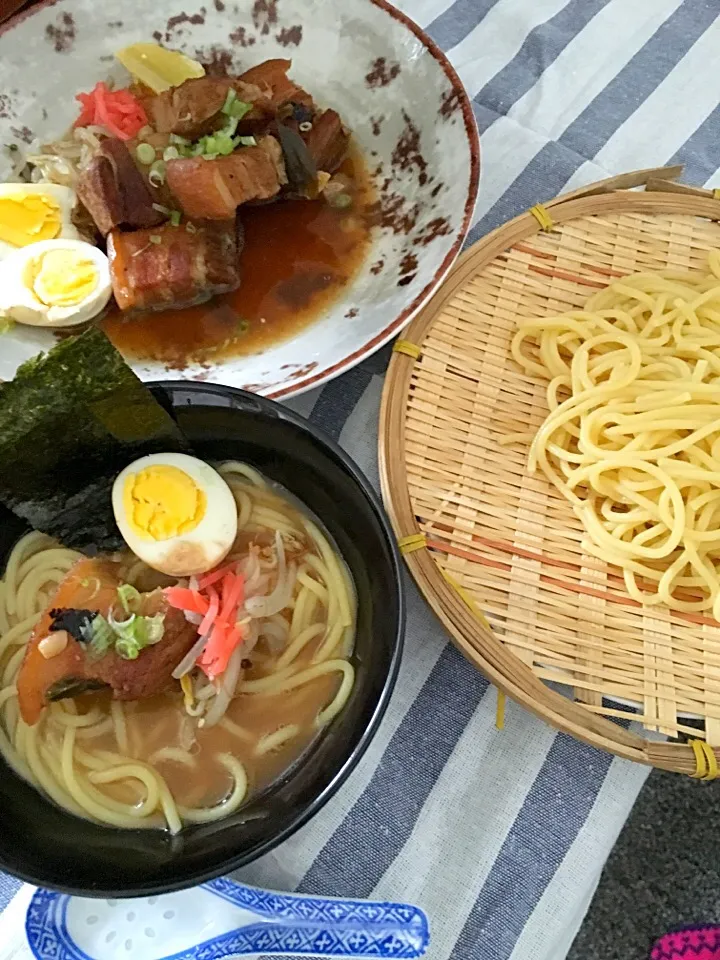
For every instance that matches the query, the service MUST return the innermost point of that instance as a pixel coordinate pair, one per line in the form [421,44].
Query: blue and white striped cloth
[501,836]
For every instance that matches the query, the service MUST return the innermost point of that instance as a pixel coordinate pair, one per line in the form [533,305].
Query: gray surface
[663,873]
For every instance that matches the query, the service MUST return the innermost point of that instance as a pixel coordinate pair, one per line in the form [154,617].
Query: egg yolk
[163,502]
[28,217]
[62,278]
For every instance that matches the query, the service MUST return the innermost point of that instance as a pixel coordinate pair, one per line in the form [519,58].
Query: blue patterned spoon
[221,919]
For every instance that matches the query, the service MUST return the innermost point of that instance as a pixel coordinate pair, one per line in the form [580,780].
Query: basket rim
[478,641]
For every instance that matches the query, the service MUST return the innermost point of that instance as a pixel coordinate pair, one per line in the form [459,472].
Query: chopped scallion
[145,153]
[171,153]
[191,228]
[127,595]
[157,173]
[161,209]
[178,140]
[154,238]
[235,108]
[341,201]
[247,141]
[175,217]
[99,636]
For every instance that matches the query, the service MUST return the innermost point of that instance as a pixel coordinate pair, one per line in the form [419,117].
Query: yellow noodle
[244,504]
[635,446]
[132,771]
[27,741]
[301,611]
[120,726]
[19,633]
[174,755]
[269,684]
[341,697]
[224,809]
[330,643]
[29,544]
[96,730]
[12,666]
[298,644]
[315,586]
[59,713]
[271,741]
[282,684]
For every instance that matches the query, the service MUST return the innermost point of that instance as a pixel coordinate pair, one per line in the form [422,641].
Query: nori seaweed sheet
[69,422]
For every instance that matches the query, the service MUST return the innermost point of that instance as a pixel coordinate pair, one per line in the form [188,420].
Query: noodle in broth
[191,755]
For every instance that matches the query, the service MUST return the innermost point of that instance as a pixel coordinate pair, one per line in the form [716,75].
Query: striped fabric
[501,836]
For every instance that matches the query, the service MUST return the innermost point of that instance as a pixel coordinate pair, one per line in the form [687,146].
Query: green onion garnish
[161,209]
[145,153]
[341,201]
[235,108]
[175,217]
[127,595]
[178,140]
[191,228]
[171,153]
[247,141]
[157,173]
[99,636]
[154,238]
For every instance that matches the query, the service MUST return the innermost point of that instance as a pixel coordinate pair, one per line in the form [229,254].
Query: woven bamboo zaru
[481,534]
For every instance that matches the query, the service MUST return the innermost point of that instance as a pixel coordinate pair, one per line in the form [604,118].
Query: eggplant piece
[327,141]
[300,166]
[70,687]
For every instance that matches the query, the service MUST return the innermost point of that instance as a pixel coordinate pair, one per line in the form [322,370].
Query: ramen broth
[156,726]
[109,750]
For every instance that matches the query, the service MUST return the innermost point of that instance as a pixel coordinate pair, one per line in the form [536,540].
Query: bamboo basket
[481,534]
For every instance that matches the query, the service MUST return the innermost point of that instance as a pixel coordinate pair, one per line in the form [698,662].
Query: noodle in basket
[632,439]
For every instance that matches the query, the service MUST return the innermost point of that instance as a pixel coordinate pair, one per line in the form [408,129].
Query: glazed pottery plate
[393,87]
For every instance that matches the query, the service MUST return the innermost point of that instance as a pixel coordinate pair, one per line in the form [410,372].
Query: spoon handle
[319,926]
[326,940]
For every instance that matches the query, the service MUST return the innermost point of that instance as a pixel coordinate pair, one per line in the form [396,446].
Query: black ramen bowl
[46,846]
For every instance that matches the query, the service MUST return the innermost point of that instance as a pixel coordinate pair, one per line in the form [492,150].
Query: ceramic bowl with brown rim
[414,133]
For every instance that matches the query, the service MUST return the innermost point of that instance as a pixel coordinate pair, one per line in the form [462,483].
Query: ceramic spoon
[221,919]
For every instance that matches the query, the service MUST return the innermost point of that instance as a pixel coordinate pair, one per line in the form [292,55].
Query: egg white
[19,302]
[64,197]
[199,550]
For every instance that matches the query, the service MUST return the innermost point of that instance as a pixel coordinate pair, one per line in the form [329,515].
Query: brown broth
[297,258]
[155,723]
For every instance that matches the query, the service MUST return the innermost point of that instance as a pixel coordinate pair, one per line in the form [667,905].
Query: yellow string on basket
[407,347]
[416,541]
[542,216]
[500,710]
[716,193]
[706,762]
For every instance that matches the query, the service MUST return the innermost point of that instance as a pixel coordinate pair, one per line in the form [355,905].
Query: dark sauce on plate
[298,257]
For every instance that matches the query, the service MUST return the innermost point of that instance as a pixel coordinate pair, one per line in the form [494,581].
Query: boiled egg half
[176,513]
[30,212]
[55,283]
